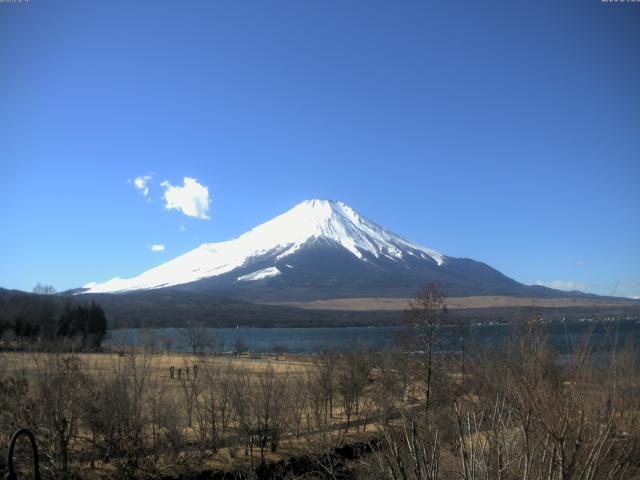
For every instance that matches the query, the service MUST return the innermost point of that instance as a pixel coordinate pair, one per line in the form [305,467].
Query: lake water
[563,336]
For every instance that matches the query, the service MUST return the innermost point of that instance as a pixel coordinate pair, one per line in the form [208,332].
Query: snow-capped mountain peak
[308,222]
[337,221]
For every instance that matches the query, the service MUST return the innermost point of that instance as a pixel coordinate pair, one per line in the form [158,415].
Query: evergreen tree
[97,327]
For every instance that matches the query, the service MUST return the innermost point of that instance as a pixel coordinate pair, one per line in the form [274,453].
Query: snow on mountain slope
[260,274]
[280,237]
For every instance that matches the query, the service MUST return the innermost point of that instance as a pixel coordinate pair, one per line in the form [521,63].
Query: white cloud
[636,297]
[192,198]
[579,263]
[141,184]
[183,228]
[157,247]
[567,285]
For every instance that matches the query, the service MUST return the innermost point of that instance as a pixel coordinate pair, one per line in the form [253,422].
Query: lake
[563,336]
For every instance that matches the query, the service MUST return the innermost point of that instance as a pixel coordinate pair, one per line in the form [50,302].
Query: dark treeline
[174,308]
[43,318]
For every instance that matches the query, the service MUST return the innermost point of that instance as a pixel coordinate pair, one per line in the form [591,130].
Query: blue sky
[508,132]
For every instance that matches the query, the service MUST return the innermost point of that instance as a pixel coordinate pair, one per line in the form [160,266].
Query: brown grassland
[485,301]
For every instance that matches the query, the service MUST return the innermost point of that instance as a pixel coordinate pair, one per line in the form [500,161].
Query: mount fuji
[319,249]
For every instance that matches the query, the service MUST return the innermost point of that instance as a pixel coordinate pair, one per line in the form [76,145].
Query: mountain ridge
[320,249]
[307,222]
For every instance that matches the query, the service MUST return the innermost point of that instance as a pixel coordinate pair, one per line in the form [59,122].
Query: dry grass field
[215,413]
[98,364]
[489,301]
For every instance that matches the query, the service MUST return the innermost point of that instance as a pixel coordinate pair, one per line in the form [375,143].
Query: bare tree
[207,406]
[423,319]
[213,403]
[218,343]
[279,349]
[190,389]
[59,389]
[532,417]
[269,407]
[196,337]
[242,399]
[391,379]
[240,346]
[116,413]
[351,380]
[410,449]
[327,378]
[316,416]
[298,392]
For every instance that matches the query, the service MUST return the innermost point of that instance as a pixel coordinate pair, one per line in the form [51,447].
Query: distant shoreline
[311,340]
[363,304]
